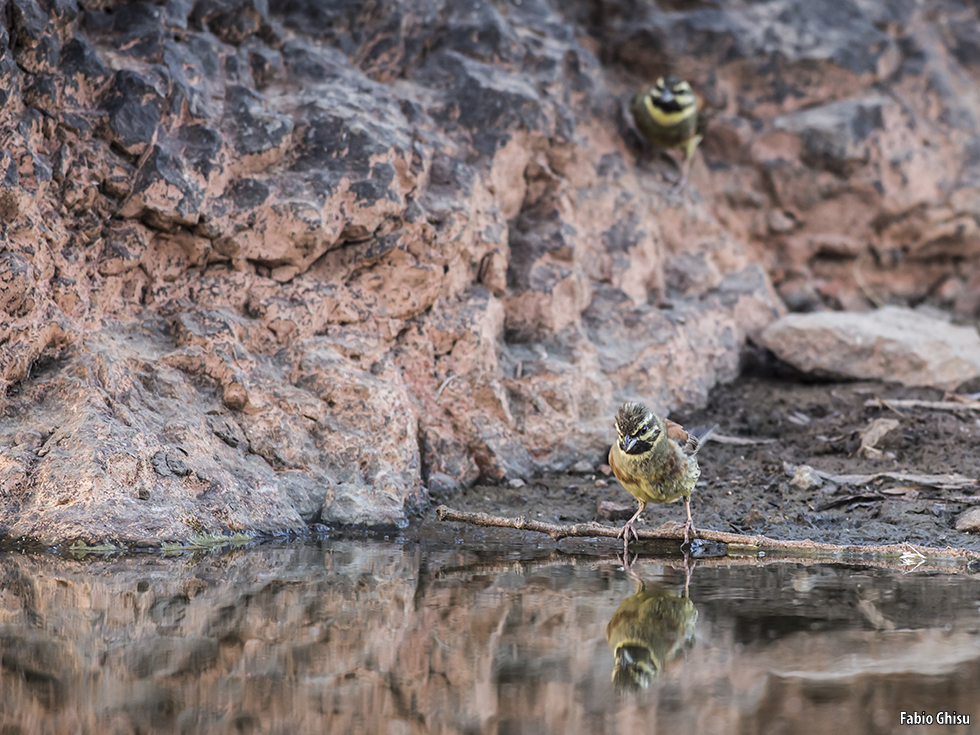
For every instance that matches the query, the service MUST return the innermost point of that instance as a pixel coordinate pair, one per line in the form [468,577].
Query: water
[399,638]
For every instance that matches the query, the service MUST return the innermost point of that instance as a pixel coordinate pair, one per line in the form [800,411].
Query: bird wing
[612,464]
[690,441]
[676,432]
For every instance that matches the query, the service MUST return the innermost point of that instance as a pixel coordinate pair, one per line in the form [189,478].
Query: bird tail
[696,438]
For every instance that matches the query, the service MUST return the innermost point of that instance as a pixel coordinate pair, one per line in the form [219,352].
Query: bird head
[671,93]
[636,667]
[638,427]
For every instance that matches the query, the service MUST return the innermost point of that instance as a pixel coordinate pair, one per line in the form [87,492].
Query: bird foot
[680,186]
[689,531]
[624,533]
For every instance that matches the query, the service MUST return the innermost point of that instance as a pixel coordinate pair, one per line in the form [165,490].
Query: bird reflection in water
[649,630]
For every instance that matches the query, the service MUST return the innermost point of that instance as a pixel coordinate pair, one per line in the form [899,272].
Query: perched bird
[667,115]
[655,460]
[648,630]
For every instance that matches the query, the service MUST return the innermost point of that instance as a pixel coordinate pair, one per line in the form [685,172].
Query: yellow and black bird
[655,460]
[668,116]
[646,632]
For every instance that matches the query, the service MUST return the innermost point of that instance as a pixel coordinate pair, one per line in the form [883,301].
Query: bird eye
[682,87]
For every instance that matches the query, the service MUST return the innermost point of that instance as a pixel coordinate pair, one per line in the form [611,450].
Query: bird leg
[688,569]
[685,167]
[626,530]
[681,184]
[689,528]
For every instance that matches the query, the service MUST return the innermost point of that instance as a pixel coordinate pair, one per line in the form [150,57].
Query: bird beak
[666,96]
[628,443]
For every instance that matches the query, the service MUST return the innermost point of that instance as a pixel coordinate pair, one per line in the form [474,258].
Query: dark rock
[134,106]
[476,28]
[305,61]
[482,99]
[41,57]
[255,130]
[231,20]
[834,136]
[10,80]
[81,65]
[44,93]
[139,30]
[188,76]
[265,63]
[163,191]
[28,22]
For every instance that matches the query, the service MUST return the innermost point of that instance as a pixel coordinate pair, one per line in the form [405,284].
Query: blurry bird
[648,630]
[655,460]
[667,115]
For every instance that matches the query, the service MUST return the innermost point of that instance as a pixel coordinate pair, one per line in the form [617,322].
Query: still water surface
[398,638]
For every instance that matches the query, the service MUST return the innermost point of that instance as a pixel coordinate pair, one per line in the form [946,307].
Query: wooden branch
[738,544]
[896,403]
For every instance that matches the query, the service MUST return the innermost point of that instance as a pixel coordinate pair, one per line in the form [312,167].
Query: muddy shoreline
[747,489]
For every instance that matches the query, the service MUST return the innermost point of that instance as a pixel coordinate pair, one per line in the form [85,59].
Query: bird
[668,116]
[655,459]
[649,629]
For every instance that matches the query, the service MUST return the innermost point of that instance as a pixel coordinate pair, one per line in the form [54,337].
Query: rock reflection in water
[647,631]
[386,638]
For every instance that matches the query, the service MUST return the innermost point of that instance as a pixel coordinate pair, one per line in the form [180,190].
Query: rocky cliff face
[262,267]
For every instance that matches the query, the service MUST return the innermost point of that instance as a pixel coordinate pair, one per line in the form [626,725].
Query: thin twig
[738,441]
[914,403]
[738,544]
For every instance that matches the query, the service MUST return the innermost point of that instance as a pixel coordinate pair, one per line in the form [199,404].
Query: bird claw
[680,186]
[689,531]
[624,533]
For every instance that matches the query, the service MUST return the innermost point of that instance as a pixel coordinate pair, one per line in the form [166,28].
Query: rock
[805,478]
[442,486]
[17,285]
[835,136]
[296,263]
[891,344]
[613,511]
[134,106]
[969,521]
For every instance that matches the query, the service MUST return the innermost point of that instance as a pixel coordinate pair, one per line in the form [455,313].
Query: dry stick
[738,441]
[896,403]
[736,542]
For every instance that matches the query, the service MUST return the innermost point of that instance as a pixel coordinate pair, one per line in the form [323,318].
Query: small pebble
[806,478]
[516,482]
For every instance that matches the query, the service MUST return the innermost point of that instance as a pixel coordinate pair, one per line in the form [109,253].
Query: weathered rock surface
[893,344]
[413,244]
[969,521]
[844,146]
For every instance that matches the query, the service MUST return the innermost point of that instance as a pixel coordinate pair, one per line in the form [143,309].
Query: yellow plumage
[655,460]
[667,115]
[648,630]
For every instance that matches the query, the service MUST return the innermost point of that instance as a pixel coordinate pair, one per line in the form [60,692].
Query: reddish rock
[892,344]
[263,268]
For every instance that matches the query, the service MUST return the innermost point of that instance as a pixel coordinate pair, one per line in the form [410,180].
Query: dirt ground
[747,489]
